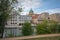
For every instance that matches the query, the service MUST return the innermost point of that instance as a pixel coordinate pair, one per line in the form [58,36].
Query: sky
[39,6]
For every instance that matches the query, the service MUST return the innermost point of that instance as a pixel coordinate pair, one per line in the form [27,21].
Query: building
[12,28]
[55,17]
[14,24]
[38,18]
[43,16]
[23,19]
[34,16]
[16,21]
[31,12]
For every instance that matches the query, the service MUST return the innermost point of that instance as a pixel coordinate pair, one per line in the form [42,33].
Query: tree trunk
[2,33]
[2,29]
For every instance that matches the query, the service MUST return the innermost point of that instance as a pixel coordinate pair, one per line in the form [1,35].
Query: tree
[20,10]
[42,28]
[5,10]
[27,29]
[48,26]
[53,26]
[58,28]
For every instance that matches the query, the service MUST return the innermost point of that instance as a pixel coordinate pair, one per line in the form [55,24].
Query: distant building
[38,18]
[23,19]
[12,27]
[14,24]
[16,21]
[55,17]
[34,16]
[43,16]
[13,19]
[31,12]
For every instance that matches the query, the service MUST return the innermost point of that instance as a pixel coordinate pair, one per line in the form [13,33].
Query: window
[20,24]
[48,17]
[20,28]
[13,23]
[13,20]
[6,23]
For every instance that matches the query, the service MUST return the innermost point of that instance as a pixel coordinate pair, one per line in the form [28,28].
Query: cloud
[36,5]
[28,4]
[51,11]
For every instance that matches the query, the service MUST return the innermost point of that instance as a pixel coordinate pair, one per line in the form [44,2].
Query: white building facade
[14,24]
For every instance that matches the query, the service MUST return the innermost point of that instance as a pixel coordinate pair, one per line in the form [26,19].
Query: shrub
[27,29]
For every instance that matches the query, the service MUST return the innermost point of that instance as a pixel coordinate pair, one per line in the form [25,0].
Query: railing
[32,37]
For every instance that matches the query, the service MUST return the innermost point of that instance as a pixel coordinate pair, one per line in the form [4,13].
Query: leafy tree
[53,26]
[48,27]
[42,28]
[5,10]
[27,29]
[20,10]
[58,28]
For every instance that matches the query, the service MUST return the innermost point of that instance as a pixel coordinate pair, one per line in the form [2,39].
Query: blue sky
[38,6]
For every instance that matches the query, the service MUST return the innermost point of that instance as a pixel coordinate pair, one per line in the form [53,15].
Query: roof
[35,16]
[25,17]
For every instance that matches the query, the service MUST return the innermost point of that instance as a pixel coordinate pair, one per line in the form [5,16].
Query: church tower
[31,12]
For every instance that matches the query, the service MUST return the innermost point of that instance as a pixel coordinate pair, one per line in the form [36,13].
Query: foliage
[20,10]
[48,27]
[58,28]
[42,28]
[53,26]
[10,35]
[27,29]
[5,9]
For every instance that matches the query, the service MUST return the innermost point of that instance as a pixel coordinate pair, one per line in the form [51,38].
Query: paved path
[30,37]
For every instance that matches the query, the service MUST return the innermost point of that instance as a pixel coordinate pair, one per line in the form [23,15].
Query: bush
[27,29]
[58,28]
[53,26]
[43,28]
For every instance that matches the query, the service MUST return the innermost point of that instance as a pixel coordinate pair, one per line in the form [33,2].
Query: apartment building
[43,16]
[12,27]
[23,19]
[55,17]
[38,18]
[14,24]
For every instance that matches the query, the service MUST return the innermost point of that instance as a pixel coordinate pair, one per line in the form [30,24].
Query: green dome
[31,11]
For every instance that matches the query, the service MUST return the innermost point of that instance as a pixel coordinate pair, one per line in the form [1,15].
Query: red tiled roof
[34,16]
